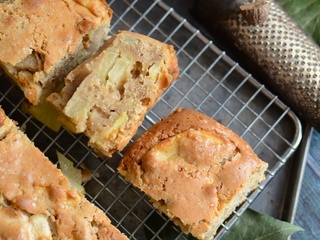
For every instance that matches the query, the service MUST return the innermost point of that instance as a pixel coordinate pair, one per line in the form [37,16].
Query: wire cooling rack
[210,82]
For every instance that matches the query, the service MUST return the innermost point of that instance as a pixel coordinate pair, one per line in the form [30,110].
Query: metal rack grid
[210,82]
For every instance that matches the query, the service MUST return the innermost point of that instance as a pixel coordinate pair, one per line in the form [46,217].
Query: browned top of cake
[192,167]
[35,200]
[179,121]
[51,29]
[5,124]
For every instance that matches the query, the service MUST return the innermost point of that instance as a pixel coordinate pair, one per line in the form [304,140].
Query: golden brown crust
[194,169]
[2,117]
[41,32]
[35,201]
[39,37]
[5,124]
[179,121]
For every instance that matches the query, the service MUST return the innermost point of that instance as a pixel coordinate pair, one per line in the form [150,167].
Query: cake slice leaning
[195,170]
[36,201]
[107,96]
[42,40]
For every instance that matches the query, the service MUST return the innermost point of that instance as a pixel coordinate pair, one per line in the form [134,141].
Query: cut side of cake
[194,169]
[108,95]
[36,201]
[42,40]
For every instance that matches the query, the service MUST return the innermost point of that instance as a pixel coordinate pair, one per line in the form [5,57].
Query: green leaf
[306,13]
[257,226]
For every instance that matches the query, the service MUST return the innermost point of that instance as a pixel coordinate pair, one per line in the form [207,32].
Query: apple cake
[194,169]
[37,201]
[42,40]
[107,96]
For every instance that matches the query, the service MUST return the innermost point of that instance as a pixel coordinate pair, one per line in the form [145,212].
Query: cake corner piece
[41,41]
[194,170]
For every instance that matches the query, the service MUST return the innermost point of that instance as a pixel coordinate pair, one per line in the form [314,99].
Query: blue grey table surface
[308,209]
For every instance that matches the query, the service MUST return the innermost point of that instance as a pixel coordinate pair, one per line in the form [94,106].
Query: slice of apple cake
[107,96]
[194,170]
[37,201]
[41,40]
